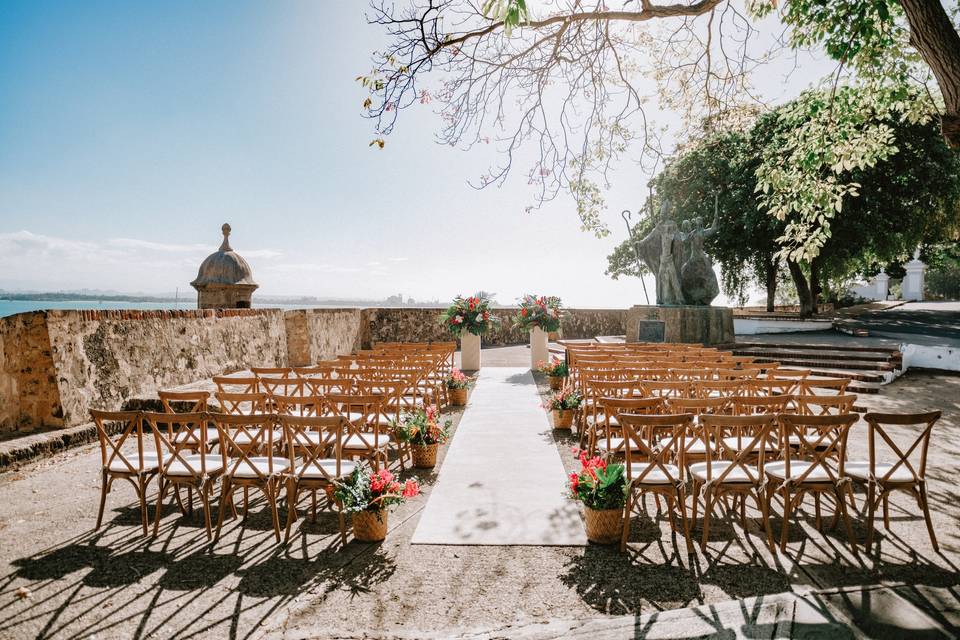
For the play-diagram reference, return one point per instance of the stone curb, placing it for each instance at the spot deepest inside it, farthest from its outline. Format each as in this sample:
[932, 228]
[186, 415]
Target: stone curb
[25, 449]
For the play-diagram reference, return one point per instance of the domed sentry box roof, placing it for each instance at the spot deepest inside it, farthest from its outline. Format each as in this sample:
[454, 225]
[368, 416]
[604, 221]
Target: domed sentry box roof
[225, 280]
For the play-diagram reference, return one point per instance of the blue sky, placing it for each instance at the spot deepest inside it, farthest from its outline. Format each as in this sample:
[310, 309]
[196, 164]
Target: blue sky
[129, 132]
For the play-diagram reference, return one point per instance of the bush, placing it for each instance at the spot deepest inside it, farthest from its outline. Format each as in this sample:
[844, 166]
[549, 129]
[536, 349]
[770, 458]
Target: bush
[943, 283]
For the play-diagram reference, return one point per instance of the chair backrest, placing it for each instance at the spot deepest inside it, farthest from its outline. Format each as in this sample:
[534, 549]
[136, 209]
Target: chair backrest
[323, 384]
[698, 406]
[197, 400]
[281, 385]
[813, 405]
[796, 374]
[824, 386]
[913, 459]
[362, 412]
[175, 434]
[642, 446]
[112, 441]
[753, 443]
[304, 406]
[281, 372]
[761, 405]
[242, 403]
[720, 388]
[667, 389]
[314, 440]
[819, 441]
[237, 384]
[767, 387]
[245, 437]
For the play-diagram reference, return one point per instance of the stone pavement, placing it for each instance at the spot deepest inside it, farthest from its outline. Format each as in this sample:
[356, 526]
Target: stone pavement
[502, 482]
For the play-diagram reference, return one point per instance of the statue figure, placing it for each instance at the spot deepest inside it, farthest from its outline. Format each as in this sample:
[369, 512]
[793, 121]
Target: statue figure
[662, 253]
[697, 277]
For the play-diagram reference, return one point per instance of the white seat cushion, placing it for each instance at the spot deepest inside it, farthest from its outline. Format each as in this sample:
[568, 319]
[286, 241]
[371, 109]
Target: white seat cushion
[149, 462]
[356, 442]
[243, 438]
[328, 466]
[810, 440]
[697, 446]
[860, 470]
[193, 436]
[178, 468]
[738, 444]
[699, 471]
[797, 468]
[656, 476]
[616, 444]
[248, 468]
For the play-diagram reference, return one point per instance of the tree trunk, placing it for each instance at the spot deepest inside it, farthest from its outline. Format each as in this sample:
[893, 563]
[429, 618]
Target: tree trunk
[803, 289]
[771, 276]
[938, 42]
[815, 287]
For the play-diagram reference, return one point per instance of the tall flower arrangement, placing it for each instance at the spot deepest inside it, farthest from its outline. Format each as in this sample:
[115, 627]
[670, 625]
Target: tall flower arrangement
[538, 311]
[470, 315]
[373, 491]
[421, 427]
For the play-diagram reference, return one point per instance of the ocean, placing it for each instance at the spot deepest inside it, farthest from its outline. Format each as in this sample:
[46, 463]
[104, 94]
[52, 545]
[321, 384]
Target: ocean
[11, 307]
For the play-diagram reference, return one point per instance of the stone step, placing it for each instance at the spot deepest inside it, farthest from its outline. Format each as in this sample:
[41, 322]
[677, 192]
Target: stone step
[810, 347]
[822, 354]
[814, 363]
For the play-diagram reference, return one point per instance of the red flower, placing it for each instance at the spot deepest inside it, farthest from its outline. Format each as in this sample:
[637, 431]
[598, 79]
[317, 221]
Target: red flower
[411, 489]
[574, 482]
[523, 313]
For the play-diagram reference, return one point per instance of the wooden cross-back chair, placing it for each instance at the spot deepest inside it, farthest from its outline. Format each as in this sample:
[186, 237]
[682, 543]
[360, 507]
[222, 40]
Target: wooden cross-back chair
[740, 474]
[308, 406]
[197, 402]
[257, 459]
[653, 468]
[273, 372]
[667, 389]
[198, 470]
[605, 434]
[699, 406]
[138, 466]
[824, 386]
[273, 386]
[316, 449]
[242, 403]
[719, 388]
[323, 385]
[366, 437]
[813, 405]
[895, 467]
[812, 463]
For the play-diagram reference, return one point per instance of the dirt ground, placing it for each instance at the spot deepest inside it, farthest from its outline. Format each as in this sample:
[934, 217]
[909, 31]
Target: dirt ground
[60, 579]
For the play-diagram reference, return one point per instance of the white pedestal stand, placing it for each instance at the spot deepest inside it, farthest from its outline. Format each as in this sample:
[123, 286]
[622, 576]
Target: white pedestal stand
[469, 352]
[538, 347]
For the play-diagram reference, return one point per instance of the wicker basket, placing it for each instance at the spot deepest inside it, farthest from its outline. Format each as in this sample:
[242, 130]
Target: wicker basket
[562, 418]
[458, 397]
[424, 455]
[604, 526]
[369, 526]
[556, 382]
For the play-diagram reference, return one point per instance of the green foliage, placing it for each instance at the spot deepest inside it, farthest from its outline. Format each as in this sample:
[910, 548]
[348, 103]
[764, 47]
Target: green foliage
[511, 12]
[468, 314]
[538, 311]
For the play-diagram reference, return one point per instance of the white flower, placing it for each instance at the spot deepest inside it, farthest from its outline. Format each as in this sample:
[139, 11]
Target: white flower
[479, 318]
[458, 319]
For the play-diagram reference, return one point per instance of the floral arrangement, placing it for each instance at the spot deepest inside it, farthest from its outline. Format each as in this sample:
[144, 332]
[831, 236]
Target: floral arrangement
[421, 427]
[564, 399]
[458, 380]
[556, 368]
[468, 314]
[598, 485]
[366, 490]
[542, 311]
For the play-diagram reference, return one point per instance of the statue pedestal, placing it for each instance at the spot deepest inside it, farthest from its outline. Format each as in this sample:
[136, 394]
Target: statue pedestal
[703, 325]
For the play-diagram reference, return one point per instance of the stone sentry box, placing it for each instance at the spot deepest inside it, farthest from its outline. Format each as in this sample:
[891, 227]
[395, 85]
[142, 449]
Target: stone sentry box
[688, 324]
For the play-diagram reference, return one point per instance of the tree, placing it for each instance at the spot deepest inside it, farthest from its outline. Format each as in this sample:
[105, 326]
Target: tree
[909, 198]
[568, 84]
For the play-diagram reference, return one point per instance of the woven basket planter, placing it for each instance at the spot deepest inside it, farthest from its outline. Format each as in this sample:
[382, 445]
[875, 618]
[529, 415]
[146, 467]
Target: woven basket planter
[604, 526]
[562, 418]
[556, 382]
[424, 455]
[458, 397]
[369, 526]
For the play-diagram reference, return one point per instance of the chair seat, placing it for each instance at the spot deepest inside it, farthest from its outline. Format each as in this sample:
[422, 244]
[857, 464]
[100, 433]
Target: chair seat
[656, 476]
[737, 475]
[192, 436]
[325, 468]
[811, 441]
[192, 467]
[777, 470]
[860, 470]
[244, 438]
[616, 444]
[356, 442]
[697, 446]
[250, 467]
[150, 462]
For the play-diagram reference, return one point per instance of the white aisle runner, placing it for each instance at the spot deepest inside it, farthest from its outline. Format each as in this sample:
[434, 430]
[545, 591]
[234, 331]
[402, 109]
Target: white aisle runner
[502, 481]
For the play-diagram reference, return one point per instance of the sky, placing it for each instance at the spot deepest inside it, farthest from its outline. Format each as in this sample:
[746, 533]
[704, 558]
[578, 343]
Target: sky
[131, 131]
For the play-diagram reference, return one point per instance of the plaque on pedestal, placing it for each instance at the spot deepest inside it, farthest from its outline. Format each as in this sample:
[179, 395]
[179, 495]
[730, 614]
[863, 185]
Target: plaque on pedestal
[689, 324]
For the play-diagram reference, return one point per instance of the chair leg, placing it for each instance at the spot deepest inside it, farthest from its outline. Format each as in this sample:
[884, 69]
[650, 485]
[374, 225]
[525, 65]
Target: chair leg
[204, 492]
[161, 493]
[625, 528]
[226, 497]
[886, 511]
[926, 516]
[142, 495]
[695, 490]
[871, 509]
[104, 489]
[766, 521]
[681, 499]
[313, 506]
[270, 492]
[842, 509]
[816, 508]
[708, 501]
[293, 497]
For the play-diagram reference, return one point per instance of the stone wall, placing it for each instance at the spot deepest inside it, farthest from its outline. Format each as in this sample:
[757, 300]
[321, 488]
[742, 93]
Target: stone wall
[321, 334]
[422, 325]
[104, 357]
[28, 389]
[56, 365]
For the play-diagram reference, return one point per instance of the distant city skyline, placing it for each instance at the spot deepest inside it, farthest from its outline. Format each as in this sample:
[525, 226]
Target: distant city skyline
[132, 131]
